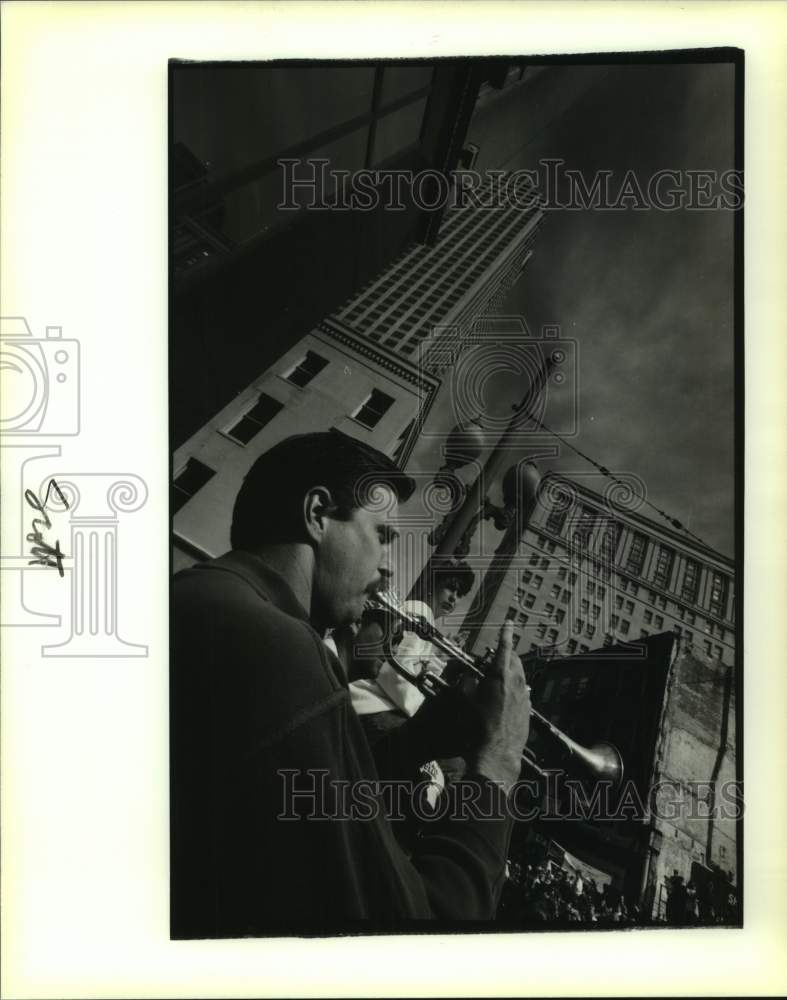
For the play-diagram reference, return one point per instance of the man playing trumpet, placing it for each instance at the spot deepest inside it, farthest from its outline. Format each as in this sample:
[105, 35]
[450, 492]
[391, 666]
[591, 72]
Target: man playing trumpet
[263, 732]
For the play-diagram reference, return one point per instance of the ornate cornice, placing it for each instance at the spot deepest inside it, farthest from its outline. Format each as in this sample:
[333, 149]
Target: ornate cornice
[425, 382]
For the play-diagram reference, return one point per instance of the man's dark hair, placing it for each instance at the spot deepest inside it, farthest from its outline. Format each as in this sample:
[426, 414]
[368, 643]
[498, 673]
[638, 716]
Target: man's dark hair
[269, 506]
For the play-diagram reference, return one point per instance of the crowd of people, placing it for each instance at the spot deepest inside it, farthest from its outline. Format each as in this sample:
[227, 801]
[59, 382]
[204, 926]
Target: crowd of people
[547, 894]
[711, 902]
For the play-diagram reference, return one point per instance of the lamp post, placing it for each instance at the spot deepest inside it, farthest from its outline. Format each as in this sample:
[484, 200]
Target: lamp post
[464, 445]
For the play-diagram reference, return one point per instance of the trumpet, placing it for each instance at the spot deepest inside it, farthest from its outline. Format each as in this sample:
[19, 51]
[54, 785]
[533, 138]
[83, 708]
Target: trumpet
[601, 761]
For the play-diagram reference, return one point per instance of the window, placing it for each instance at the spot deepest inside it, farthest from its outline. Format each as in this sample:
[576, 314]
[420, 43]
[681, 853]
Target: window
[263, 411]
[633, 590]
[189, 481]
[527, 576]
[533, 561]
[529, 601]
[541, 541]
[572, 579]
[544, 564]
[571, 646]
[648, 617]
[584, 649]
[618, 602]
[629, 607]
[636, 556]
[664, 563]
[552, 636]
[584, 605]
[555, 591]
[533, 647]
[719, 652]
[658, 621]
[551, 547]
[644, 633]
[718, 594]
[566, 596]
[691, 579]
[549, 610]
[561, 573]
[625, 626]
[585, 526]
[624, 584]
[375, 406]
[557, 516]
[311, 364]
[662, 603]
[601, 592]
[591, 587]
[608, 639]
[578, 625]
[609, 543]
[522, 618]
[652, 596]
[515, 640]
[614, 621]
[511, 614]
[707, 647]
[590, 630]
[537, 581]
[596, 612]
[691, 618]
[689, 637]
[560, 614]
[541, 631]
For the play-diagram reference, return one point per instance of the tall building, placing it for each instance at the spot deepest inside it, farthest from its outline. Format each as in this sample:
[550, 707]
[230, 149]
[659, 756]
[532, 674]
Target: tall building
[479, 255]
[371, 369]
[253, 266]
[588, 572]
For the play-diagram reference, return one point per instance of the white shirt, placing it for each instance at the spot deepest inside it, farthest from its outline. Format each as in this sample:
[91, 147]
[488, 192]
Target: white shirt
[390, 691]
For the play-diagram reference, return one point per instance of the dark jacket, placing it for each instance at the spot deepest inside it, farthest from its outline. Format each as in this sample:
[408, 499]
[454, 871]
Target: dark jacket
[257, 700]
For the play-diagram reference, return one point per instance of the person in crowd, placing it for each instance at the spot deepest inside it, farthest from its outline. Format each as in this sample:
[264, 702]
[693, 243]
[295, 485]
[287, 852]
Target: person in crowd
[265, 746]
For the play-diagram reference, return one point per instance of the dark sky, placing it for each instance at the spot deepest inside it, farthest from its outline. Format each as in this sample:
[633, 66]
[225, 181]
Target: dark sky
[646, 295]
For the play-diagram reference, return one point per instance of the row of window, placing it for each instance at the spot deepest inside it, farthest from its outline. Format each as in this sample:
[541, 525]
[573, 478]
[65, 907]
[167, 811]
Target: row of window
[369, 413]
[635, 558]
[593, 587]
[446, 282]
[196, 474]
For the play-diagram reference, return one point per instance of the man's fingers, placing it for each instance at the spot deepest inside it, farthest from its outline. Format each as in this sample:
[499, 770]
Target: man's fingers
[504, 647]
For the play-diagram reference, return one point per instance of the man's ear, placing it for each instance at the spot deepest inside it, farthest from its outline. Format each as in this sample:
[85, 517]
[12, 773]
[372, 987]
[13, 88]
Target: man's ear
[317, 507]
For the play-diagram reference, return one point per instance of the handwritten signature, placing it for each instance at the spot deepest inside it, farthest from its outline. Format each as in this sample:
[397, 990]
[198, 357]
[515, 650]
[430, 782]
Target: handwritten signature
[44, 554]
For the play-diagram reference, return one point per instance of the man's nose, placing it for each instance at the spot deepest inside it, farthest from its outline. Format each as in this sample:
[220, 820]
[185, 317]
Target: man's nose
[385, 566]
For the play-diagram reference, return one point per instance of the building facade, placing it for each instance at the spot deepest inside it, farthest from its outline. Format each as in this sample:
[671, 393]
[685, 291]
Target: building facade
[590, 570]
[372, 369]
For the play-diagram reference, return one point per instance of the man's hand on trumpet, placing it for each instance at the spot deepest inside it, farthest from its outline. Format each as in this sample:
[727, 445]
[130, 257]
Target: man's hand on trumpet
[503, 703]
